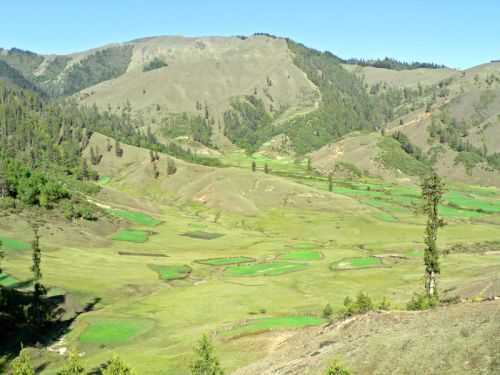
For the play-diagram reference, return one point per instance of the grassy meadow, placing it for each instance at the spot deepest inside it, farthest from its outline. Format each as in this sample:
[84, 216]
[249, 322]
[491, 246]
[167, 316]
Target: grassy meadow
[240, 276]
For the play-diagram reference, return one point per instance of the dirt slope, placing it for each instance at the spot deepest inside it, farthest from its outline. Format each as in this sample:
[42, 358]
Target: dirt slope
[460, 339]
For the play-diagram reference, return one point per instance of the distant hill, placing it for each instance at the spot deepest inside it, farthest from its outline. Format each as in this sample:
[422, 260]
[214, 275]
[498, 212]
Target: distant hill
[13, 77]
[212, 94]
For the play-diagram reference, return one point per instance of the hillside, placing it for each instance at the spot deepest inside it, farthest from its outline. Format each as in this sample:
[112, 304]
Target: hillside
[398, 342]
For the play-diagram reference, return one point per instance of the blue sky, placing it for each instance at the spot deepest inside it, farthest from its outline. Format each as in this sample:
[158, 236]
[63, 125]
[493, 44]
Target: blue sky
[457, 33]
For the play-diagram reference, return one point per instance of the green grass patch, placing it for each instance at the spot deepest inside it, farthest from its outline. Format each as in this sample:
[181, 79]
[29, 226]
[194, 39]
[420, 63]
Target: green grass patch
[201, 235]
[135, 217]
[131, 235]
[354, 263]
[457, 213]
[104, 180]
[12, 244]
[463, 201]
[275, 323]
[302, 255]
[414, 253]
[265, 269]
[384, 216]
[7, 280]
[171, 272]
[226, 261]
[113, 331]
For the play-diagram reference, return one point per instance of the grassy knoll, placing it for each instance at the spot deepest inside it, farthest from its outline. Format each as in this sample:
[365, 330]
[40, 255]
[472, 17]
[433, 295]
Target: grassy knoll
[113, 331]
[12, 244]
[226, 261]
[136, 217]
[264, 269]
[274, 323]
[171, 272]
[302, 255]
[355, 263]
[131, 235]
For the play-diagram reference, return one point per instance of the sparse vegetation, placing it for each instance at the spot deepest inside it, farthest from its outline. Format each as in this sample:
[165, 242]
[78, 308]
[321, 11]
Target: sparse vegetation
[154, 64]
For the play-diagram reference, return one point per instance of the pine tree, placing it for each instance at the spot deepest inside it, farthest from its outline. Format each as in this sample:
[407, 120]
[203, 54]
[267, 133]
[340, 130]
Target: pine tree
[206, 362]
[432, 192]
[117, 367]
[39, 291]
[21, 365]
[73, 365]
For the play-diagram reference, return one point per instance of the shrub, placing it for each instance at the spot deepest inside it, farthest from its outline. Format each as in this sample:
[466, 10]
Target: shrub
[361, 305]
[76, 209]
[385, 304]
[156, 63]
[327, 311]
[21, 365]
[73, 365]
[117, 367]
[336, 368]
[206, 362]
[421, 302]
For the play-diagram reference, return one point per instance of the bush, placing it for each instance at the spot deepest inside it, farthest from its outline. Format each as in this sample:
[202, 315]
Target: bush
[7, 203]
[336, 368]
[361, 305]
[21, 365]
[327, 311]
[385, 304]
[76, 209]
[156, 63]
[421, 302]
[117, 367]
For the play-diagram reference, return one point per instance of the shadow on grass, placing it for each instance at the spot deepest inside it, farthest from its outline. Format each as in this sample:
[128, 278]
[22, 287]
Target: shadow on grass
[16, 335]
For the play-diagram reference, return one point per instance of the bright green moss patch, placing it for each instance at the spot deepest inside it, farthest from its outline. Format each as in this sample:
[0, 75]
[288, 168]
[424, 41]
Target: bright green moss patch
[200, 235]
[104, 180]
[265, 269]
[171, 272]
[113, 331]
[354, 263]
[7, 280]
[131, 235]
[225, 261]
[136, 217]
[276, 323]
[302, 255]
[12, 244]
